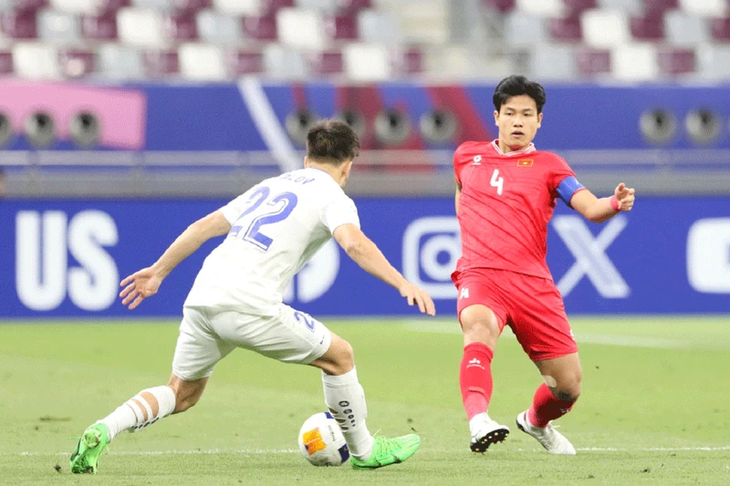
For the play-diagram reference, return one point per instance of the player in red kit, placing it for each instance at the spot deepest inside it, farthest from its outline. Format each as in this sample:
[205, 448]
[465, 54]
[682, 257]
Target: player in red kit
[506, 191]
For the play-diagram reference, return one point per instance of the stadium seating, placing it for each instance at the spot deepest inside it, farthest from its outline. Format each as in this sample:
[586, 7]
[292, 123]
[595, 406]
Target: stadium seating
[720, 29]
[245, 62]
[301, 29]
[605, 28]
[218, 28]
[685, 30]
[524, 30]
[291, 39]
[634, 62]
[161, 63]
[34, 60]
[120, 62]
[366, 62]
[76, 63]
[141, 27]
[593, 63]
[202, 62]
[99, 27]
[566, 29]
[648, 27]
[6, 62]
[58, 26]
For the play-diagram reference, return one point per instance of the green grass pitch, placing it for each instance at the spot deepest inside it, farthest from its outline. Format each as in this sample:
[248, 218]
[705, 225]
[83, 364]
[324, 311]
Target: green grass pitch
[655, 407]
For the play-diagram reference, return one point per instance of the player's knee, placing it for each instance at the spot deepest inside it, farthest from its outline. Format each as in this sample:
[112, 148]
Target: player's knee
[569, 387]
[339, 358]
[480, 326]
[344, 358]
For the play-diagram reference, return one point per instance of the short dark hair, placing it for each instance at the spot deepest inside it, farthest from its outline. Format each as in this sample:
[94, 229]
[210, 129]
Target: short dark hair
[332, 142]
[517, 86]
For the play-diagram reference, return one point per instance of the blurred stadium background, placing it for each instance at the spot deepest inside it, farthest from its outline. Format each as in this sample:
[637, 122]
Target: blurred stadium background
[114, 113]
[121, 121]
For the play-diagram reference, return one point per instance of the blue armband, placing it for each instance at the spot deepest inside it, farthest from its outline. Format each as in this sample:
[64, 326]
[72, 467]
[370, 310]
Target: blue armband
[567, 188]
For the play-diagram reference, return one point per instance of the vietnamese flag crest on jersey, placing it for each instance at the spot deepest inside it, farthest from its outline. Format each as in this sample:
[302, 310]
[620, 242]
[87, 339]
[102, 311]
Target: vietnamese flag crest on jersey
[525, 162]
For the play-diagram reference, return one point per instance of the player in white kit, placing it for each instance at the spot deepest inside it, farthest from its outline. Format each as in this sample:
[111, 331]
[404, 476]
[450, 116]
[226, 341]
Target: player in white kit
[272, 229]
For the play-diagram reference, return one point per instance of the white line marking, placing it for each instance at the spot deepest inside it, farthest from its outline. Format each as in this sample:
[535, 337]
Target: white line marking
[293, 451]
[162, 453]
[583, 338]
[654, 449]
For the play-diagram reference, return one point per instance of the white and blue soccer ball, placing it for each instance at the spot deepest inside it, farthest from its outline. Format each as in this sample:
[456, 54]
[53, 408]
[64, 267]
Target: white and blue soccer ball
[321, 441]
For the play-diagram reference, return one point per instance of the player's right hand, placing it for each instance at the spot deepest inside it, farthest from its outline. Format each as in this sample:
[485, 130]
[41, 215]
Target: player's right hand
[419, 297]
[139, 286]
[625, 197]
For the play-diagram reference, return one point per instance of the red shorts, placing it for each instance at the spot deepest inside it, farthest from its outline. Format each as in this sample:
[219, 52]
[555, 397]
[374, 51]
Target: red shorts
[531, 306]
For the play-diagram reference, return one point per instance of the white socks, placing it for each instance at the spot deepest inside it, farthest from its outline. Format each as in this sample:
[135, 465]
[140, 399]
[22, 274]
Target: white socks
[140, 411]
[345, 399]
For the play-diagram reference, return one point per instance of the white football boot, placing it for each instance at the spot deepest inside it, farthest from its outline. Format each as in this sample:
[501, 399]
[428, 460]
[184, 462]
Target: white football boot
[551, 439]
[486, 432]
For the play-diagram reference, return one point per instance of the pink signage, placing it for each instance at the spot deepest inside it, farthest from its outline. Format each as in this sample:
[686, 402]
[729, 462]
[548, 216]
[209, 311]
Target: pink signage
[121, 112]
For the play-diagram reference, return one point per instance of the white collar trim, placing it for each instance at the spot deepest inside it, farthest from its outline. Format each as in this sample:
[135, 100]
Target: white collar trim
[526, 150]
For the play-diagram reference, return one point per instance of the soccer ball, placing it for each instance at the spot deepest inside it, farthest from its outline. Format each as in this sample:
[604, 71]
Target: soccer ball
[321, 441]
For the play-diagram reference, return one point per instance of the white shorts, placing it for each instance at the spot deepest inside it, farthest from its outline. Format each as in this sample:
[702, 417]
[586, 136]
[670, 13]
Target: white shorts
[206, 337]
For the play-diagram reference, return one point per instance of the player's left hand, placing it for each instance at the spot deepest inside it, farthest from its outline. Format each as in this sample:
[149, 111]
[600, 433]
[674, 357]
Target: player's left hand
[419, 297]
[625, 197]
[139, 286]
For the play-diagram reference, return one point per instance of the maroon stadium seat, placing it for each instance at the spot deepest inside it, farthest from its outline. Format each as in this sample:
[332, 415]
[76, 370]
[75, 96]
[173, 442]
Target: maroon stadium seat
[99, 27]
[650, 27]
[592, 62]
[501, 5]
[76, 63]
[112, 5]
[577, 6]
[160, 64]
[19, 24]
[412, 61]
[566, 29]
[676, 61]
[260, 28]
[325, 63]
[352, 7]
[6, 62]
[29, 5]
[181, 26]
[721, 29]
[659, 6]
[341, 27]
[245, 62]
[270, 7]
[191, 5]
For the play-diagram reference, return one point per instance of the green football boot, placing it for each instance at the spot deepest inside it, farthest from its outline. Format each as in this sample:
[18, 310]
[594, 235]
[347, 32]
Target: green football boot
[85, 458]
[389, 451]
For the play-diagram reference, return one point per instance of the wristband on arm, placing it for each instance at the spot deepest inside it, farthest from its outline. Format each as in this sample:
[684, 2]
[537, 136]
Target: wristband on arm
[614, 203]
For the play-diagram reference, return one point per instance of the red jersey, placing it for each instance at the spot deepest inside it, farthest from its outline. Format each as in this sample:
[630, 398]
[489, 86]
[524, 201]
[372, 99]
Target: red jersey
[506, 203]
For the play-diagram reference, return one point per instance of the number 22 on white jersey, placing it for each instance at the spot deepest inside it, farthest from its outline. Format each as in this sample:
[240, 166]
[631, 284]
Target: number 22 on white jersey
[276, 209]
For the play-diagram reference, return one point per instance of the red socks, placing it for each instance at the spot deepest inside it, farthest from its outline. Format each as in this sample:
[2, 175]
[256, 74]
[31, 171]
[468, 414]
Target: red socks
[475, 378]
[545, 407]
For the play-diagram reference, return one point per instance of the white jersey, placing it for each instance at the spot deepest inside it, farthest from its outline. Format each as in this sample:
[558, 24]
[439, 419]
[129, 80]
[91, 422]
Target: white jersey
[276, 228]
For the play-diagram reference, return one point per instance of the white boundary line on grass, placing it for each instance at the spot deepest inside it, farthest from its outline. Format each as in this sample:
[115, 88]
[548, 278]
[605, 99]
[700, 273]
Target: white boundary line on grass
[163, 453]
[292, 451]
[655, 449]
[442, 327]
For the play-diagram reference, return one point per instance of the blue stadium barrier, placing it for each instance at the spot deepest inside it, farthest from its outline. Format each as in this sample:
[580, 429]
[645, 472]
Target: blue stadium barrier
[246, 116]
[63, 258]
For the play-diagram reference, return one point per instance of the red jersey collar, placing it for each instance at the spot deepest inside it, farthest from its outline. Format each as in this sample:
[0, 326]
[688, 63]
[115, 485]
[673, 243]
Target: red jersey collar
[526, 150]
